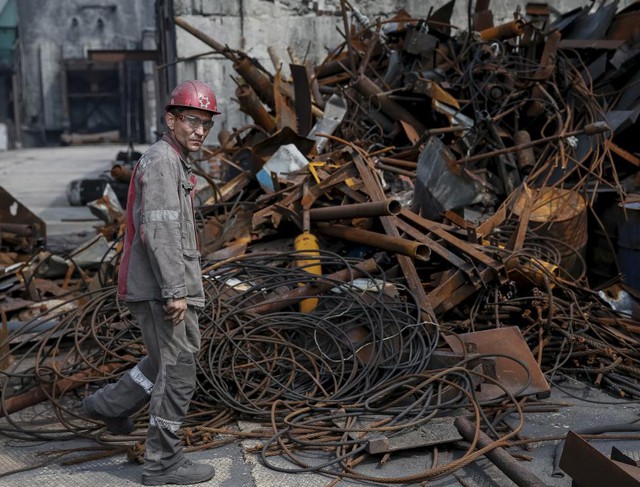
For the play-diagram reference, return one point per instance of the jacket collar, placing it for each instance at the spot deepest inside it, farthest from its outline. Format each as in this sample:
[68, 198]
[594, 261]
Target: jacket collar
[170, 139]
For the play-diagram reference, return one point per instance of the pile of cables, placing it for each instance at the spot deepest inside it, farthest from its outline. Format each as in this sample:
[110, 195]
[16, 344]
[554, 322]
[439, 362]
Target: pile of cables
[359, 335]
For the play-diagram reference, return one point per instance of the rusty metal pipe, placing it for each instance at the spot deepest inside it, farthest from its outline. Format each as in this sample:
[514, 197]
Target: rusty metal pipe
[525, 156]
[257, 79]
[399, 245]
[17, 229]
[369, 90]
[503, 31]
[331, 68]
[448, 130]
[498, 456]
[210, 41]
[358, 210]
[251, 105]
[396, 170]
[121, 173]
[398, 162]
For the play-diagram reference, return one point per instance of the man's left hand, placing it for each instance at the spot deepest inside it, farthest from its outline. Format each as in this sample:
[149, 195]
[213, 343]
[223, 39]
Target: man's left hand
[175, 309]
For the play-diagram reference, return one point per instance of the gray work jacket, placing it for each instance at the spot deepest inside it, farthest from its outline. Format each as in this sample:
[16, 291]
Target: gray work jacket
[160, 258]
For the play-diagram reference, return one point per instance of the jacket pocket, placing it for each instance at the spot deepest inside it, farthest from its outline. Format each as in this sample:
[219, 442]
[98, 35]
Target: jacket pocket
[192, 274]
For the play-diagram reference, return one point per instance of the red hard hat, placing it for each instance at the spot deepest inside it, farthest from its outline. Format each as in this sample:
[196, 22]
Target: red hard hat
[193, 94]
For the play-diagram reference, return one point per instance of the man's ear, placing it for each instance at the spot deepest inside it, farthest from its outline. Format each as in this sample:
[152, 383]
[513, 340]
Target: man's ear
[170, 120]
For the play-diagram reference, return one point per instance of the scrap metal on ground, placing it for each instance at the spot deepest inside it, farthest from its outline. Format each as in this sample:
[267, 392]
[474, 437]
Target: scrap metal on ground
[425, 226]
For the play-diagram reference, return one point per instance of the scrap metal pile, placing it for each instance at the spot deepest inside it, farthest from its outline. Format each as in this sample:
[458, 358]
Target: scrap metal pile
[411, 232]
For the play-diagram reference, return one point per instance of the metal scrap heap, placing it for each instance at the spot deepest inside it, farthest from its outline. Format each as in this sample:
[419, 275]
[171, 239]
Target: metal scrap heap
[434, 222]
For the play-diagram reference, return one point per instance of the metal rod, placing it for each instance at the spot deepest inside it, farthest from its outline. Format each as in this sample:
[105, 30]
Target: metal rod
[398, 162]
[498, 456]
[591, 129]
[395, 170]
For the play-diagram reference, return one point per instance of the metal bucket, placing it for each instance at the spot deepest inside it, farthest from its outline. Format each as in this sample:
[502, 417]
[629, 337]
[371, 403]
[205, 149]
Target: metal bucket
[561, 216]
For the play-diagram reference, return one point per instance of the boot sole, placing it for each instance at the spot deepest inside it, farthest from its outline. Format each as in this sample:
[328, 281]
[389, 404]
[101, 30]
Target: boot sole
[174, 480]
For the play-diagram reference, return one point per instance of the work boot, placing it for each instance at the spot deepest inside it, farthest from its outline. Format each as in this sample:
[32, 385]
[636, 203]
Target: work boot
[117, 426]
[185, 474]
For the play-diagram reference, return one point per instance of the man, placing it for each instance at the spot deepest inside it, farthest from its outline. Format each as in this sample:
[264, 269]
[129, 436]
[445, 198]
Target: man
[160, 280]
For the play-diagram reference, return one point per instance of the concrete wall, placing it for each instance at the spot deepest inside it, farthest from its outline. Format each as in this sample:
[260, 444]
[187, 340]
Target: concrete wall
[51, 32]
[308, 27]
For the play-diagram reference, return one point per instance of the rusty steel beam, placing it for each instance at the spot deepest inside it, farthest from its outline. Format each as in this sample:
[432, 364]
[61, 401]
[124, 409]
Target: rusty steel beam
[436, 247]
[234, 186]
[302, 98]
[464, 247]
[358, 210]
[399, 245]
[454, 289]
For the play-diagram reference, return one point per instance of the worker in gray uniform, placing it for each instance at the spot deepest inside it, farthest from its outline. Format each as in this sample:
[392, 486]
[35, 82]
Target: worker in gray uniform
[160, 281]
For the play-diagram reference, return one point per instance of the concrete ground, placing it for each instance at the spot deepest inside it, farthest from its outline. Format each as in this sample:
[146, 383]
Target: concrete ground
[38, 179]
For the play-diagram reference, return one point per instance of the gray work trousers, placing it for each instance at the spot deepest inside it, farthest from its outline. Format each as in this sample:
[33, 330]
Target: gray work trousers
[166, 377]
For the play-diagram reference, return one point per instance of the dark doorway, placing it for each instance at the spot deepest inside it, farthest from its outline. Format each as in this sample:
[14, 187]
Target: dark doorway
[104, 97]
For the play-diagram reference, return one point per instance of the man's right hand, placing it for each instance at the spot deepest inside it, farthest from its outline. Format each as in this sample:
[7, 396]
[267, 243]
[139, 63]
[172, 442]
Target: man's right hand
[175, 309]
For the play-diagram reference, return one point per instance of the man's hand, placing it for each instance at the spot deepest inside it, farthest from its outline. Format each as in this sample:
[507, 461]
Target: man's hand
[175, 309]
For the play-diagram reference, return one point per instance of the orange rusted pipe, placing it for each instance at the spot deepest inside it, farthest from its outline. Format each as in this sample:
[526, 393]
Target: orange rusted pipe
[252, 106]
[121, 173]
[257, 79]
[503, 31]
[398, 245]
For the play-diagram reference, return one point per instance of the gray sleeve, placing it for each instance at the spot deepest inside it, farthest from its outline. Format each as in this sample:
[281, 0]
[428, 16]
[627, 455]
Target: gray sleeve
[160, 224]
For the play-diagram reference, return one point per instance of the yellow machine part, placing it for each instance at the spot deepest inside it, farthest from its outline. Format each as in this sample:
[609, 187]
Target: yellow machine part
[308, 245]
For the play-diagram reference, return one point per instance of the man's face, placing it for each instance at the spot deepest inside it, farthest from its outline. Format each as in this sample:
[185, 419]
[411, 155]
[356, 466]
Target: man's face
[190, 127]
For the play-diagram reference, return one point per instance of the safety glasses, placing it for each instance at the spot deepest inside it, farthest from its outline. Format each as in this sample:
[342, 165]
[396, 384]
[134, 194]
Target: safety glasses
[195, 122]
